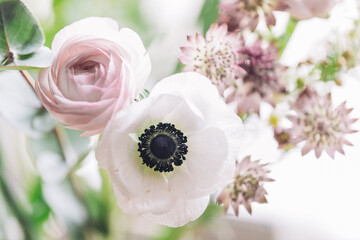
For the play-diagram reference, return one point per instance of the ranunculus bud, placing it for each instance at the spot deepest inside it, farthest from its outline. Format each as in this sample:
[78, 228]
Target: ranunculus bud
[96, 70]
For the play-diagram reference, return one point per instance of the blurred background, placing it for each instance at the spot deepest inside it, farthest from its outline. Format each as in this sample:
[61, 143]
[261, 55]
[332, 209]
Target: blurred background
[52, 187]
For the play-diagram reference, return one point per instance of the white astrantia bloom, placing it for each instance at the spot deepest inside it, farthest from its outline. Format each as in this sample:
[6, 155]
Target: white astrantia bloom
[167, 153]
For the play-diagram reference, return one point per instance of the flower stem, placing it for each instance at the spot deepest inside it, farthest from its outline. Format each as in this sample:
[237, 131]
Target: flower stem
[60, 135]
[283, 40]
[28, 79]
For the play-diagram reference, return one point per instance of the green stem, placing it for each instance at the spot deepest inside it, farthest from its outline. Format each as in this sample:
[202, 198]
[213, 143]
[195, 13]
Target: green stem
[283, 40]
[13, 207]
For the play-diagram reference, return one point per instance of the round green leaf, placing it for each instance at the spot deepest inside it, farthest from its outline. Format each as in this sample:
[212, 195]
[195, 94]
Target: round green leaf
[20, 33]
[34, 61]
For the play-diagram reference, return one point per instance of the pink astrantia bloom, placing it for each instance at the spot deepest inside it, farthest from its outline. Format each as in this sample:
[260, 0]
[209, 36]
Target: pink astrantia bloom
[247, 186]
[240, 14]
[96, 70]
[319, 124]
[214, 56]
[260, 79]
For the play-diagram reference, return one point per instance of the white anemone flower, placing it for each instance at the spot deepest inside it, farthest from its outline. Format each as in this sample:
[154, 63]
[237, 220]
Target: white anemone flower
[167, 153]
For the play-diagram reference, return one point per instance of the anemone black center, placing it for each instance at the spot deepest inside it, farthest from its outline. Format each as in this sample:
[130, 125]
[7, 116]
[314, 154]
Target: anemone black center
[162, 146]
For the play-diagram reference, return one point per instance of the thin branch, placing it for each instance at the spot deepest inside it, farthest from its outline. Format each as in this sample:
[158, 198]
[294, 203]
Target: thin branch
[60, 137]
[28, 79]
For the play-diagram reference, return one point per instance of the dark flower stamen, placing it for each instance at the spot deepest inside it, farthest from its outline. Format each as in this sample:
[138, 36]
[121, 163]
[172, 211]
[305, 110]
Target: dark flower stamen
[162, 146]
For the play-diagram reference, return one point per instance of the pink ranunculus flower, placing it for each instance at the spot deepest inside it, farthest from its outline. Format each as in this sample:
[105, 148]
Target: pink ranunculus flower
[96, 70]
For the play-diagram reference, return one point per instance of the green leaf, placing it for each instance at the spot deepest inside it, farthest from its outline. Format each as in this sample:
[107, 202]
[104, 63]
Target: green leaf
[209, 14]
[18, 210]
[20, 107]
[178, 67]
[20, 33]
[40, 209]
[98, 210]
[33, 61]
[329, 68]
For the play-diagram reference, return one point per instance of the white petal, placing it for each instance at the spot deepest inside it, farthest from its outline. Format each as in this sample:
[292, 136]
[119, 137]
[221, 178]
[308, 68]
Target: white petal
[224, 118]
[185, 83]
[206, 168]
[186, 117]
[86, 26]
[125, 165]
[127, 171]
[156, 200]
[117, 153]
[183, 212]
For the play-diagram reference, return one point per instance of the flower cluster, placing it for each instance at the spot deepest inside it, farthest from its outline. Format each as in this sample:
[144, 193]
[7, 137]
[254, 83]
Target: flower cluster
[319, 124]
[246, 75]
[174, 151]
[169, 150]
[166, 153]
[240, 15]
[247, 186]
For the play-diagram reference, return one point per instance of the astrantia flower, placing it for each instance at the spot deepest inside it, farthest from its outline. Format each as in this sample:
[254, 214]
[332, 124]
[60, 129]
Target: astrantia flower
[240, 14]
[214, 56]
[322, 126]
[167, 153]
[247, 186]
[260, 80]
